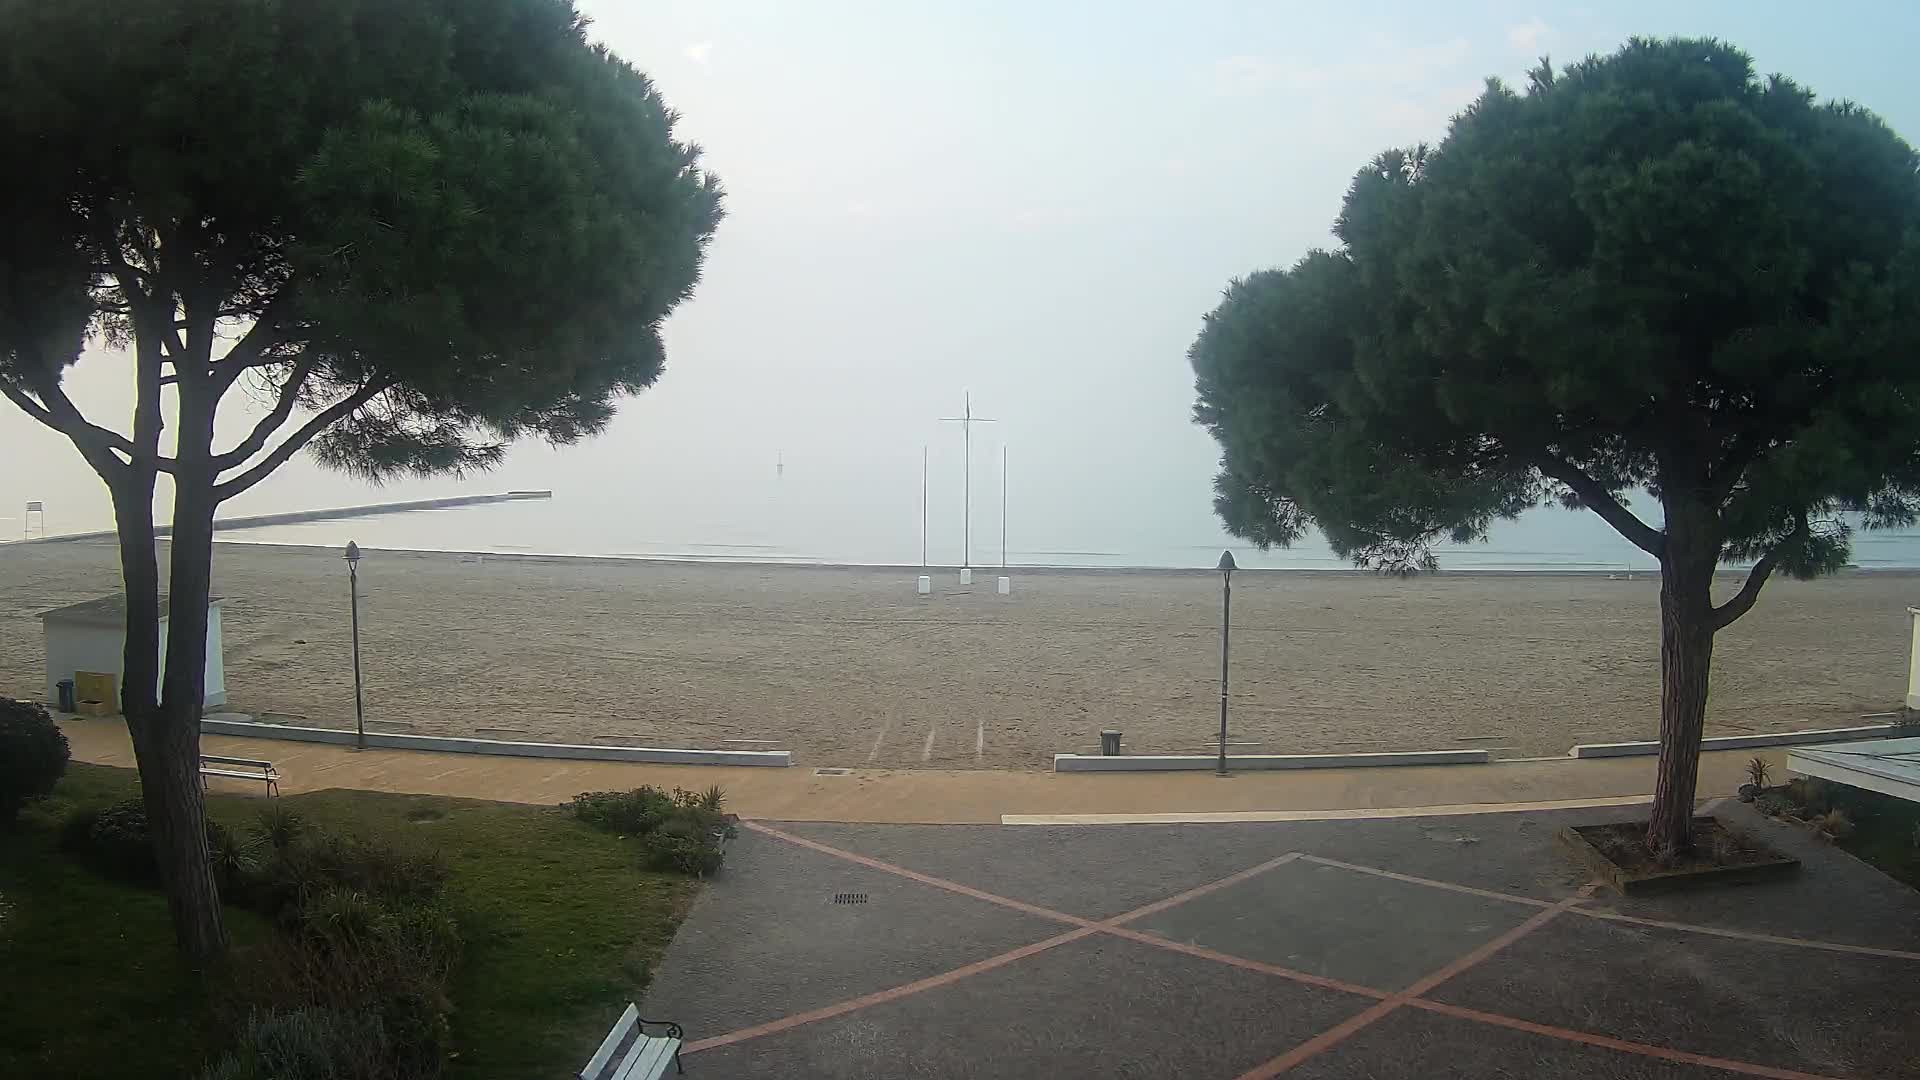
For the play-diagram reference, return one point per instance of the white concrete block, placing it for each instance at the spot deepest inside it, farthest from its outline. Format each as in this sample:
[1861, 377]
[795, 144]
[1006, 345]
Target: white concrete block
[1736, 742]
[1238, 762]
[573, 751]
[966, 577]
[1005, 586]
[924, 586]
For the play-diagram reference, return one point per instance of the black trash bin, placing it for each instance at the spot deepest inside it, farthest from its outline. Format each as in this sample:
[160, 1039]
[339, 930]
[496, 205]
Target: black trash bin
[67, 703]
[1110, 743]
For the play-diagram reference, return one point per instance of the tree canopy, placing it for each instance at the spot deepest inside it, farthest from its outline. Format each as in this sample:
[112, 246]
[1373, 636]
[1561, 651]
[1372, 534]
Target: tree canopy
[1652, 270]
[438, 224]
[423, 228]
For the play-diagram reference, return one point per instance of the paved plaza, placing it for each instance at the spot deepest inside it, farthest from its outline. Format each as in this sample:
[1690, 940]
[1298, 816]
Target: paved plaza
[1421, 947]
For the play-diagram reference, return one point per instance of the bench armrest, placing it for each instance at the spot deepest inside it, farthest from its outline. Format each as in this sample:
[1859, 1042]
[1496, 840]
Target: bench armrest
[673, 1029]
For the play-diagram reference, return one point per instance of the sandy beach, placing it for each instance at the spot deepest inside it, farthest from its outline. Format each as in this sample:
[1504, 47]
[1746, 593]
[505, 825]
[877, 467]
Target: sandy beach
[849, 667]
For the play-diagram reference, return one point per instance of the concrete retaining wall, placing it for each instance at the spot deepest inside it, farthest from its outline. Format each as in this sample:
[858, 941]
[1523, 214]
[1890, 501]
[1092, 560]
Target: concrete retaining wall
[578, 752]
[1736, 742]
[1168, 762]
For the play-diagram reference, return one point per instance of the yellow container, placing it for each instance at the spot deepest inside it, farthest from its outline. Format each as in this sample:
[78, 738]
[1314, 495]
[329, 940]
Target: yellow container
[98, 693]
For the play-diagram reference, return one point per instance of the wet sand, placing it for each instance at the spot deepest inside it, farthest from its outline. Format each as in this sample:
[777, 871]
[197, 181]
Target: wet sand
[849, 667]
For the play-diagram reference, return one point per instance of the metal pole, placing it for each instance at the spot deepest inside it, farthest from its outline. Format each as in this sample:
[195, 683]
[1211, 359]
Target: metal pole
[1226, 628]
[1003, 506]
[359, 712]
[923, 507]
[966, 420]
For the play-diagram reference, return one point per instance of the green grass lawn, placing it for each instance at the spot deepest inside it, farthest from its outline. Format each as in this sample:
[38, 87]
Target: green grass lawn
[562, 930]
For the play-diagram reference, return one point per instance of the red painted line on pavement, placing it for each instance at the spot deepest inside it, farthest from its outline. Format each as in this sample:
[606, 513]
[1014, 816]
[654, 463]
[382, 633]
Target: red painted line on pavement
[1087, 927]
[883, 996]
[1691, 928]
[1353, 1025]
[1625, 1046]
[1205, 953]
[1743, 935]
[1177, 899]
[1385, 1002]
[1428, 882]
[915, 875]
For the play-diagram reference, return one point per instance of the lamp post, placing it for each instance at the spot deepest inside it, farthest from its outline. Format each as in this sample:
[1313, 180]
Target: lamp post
[1226, 627]
[353, 593]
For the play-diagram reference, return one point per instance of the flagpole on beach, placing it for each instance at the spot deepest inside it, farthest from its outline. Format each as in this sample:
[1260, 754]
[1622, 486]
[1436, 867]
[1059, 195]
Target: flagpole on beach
[1003, 506]
[966, 420]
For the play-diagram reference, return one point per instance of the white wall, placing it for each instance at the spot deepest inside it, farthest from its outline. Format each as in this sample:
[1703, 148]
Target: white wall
[73, 647]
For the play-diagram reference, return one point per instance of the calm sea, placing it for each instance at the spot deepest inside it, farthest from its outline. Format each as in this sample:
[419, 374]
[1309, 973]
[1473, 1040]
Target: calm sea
[789, 518]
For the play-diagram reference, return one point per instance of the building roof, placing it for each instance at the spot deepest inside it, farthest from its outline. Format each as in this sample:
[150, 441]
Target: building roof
[1889, 766]
[105, 611]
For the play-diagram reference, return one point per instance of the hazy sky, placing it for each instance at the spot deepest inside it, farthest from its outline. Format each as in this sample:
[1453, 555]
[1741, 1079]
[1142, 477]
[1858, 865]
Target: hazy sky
[1036, 202]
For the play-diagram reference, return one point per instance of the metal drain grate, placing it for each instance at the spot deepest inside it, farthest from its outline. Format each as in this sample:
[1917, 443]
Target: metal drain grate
[849, 898]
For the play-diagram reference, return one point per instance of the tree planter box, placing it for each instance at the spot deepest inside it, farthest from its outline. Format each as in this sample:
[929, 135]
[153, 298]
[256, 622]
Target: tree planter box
[1749, 861]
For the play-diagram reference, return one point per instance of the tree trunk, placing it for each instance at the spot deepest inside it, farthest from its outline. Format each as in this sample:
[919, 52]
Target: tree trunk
[1686, 661]
[140, 576]
[170, 756]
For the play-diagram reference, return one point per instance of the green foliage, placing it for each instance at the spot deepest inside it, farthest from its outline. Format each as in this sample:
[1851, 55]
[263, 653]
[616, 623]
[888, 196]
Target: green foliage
[33, 755]
[116, 840]
[1650, 270]
[682, 831]
[307, 1044]
[466, 206]
[279, 826]
[555, 928]
[628, 813]
[690, 842]
[1759, 772]
[321, 863]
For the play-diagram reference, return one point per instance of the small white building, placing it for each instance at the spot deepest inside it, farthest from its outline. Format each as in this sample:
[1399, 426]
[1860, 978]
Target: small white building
[91, 636]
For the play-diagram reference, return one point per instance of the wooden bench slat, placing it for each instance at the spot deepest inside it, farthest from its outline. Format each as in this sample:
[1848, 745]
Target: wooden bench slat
[649, 1059]
[611, 1043]
[255, 762]
[231, 773]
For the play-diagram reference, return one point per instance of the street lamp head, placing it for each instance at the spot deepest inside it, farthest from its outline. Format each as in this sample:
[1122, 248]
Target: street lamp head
[1226, 563]
[353, 552]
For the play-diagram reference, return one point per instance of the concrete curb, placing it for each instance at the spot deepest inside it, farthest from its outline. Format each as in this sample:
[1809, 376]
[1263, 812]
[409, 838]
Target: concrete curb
[1172, 762]
[571, 751]
[1735, 742]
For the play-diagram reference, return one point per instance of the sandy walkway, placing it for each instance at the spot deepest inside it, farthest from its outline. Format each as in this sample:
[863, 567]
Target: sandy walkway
[848, 667]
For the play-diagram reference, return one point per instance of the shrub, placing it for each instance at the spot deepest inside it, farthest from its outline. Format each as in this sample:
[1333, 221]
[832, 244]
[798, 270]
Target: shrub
[1834, 824]
[1809, 793]
[117, 840]
[1759, 772]
[344, 951]
[319, 862]
[629, 813]
[76, 832]
[690, 842]
[33, 755]
[307, 1044]
[280, 826]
